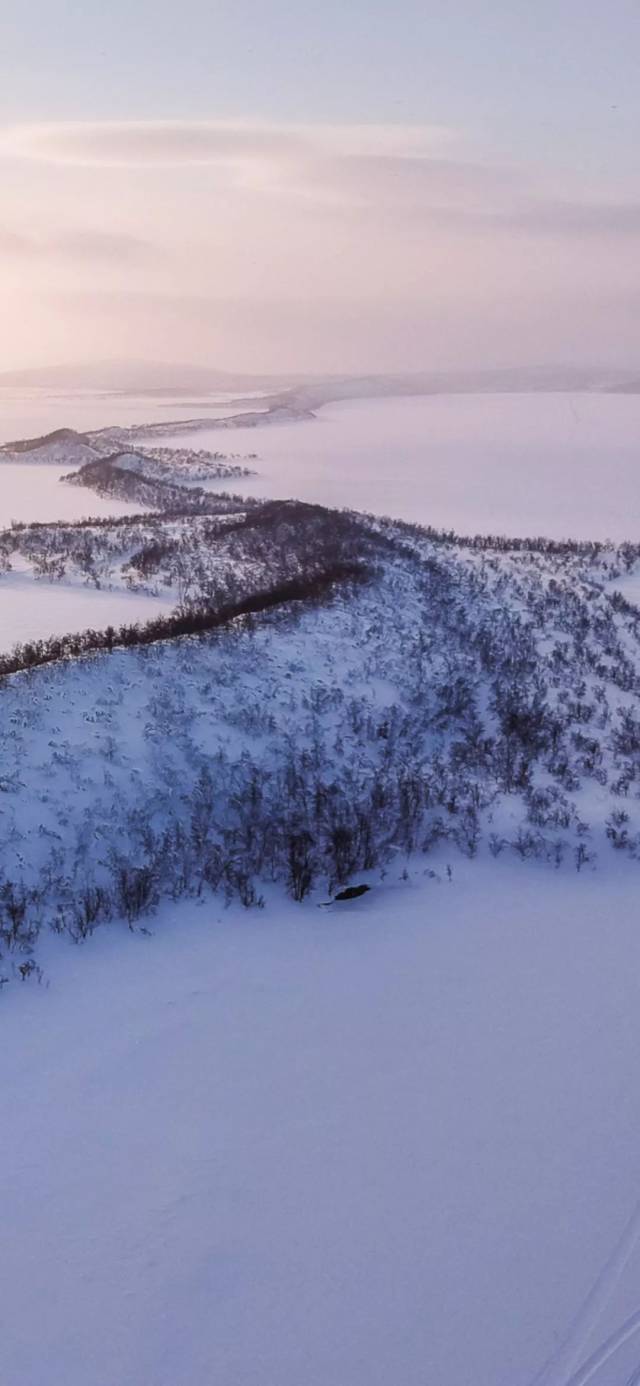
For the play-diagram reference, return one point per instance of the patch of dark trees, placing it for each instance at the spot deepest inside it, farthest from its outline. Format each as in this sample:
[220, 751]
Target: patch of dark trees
[228, 504]
[307, 588]
[590, 549]
[107, 478]
[210, 557]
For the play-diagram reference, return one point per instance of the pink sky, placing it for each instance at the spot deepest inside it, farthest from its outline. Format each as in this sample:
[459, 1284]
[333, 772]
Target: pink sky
[425, 186]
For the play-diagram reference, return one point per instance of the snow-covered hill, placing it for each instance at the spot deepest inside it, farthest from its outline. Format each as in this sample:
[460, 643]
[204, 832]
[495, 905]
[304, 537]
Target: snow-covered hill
[63, 447]
[483, 696]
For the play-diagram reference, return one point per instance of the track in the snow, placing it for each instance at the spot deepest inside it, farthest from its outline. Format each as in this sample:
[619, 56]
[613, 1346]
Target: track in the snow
[565, 1367]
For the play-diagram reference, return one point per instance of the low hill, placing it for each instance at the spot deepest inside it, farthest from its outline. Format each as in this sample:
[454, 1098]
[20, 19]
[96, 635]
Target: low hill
[62, 446]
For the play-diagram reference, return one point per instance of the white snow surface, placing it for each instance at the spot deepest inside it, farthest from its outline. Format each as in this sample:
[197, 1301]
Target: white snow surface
[389, 1142]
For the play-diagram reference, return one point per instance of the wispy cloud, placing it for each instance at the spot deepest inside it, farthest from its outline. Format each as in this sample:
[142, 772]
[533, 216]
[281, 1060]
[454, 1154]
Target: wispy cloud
[307, 244]
[171, 143]
[578, 218]
[13, 243]
[77, 244]
[407, 171]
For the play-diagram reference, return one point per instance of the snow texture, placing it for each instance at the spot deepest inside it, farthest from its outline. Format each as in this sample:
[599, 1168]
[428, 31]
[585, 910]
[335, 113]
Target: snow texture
[394, 1141]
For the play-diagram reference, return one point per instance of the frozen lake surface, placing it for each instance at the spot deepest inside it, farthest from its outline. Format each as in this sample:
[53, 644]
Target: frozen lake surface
[30, 413]
[31, 609]
[29, 492]
[554, 464]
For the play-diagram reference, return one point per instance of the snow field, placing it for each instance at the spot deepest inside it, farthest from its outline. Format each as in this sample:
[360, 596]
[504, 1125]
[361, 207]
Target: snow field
[394, 1141]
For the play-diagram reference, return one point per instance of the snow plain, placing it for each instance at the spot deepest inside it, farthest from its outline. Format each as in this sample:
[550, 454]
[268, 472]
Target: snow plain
[392, 1142]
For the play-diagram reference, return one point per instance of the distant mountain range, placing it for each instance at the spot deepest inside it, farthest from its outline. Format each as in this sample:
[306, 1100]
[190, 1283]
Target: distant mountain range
[161, 377]
[146, 377]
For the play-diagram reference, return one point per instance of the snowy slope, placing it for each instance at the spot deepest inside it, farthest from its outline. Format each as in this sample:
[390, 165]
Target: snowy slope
[488, 700]
[390, 1145]
[62, 447]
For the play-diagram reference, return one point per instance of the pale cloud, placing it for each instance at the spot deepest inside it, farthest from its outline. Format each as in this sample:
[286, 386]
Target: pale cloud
[403, 169]
[203, 143]
[537, 218]
[329, 246]
[77, 243]
[403, 182]
[579, 218]
[13, 243]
